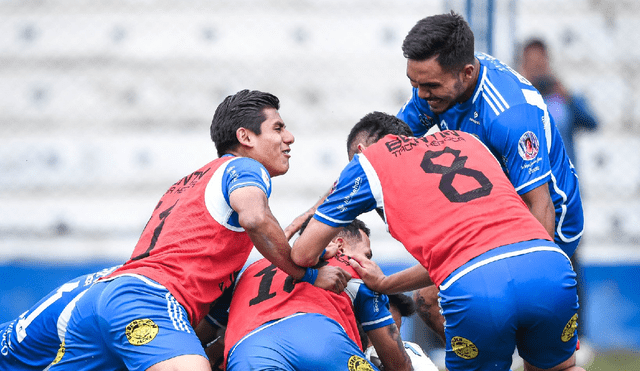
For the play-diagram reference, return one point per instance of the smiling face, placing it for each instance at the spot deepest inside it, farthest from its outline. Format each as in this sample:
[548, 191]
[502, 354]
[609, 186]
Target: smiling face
[271, 148]
[440, 88]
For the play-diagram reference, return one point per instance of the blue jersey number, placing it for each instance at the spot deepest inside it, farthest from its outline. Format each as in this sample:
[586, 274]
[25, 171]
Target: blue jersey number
[23, 323]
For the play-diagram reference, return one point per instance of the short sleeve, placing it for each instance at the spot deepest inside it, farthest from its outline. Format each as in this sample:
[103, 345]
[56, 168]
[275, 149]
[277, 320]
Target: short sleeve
[371, 308]
[350, 197]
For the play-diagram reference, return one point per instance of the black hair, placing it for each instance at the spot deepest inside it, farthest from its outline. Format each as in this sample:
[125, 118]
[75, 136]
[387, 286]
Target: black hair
[405, 304]
[244, 109]
[535, 43]
[447, 36]
[350, 231]
[374, 126]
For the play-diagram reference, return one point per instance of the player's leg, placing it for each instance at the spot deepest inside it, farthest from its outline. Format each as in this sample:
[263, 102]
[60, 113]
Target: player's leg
[480, 315]
[549, 315]
[568, 365]
[82, 345]
[138, 325]
[428, 309]
[186, 362]
[146, 326]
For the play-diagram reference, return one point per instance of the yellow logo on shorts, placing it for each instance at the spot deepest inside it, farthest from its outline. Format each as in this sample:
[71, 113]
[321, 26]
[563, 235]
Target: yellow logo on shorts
[359, 364]
[570, 329]
[141, 331]
[464, 348]
[60, 354]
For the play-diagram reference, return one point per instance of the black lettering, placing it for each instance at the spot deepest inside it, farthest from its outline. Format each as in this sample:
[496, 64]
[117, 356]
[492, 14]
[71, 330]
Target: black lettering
[449, 173]
[264, 288]
[156, 233]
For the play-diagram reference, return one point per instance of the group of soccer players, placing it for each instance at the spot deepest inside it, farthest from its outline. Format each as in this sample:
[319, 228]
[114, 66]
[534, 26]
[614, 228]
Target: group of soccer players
[471, 177]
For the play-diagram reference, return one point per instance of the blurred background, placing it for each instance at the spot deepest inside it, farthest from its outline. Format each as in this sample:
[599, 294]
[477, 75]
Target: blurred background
[105, 104]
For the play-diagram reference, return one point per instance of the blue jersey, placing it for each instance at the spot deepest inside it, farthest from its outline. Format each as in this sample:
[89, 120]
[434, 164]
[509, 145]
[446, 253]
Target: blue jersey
[31, 341]
[356, 192]
[370, 308]
[510, 117]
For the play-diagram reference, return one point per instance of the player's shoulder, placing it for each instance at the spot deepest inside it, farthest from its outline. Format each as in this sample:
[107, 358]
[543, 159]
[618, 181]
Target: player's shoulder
[238, 168]
[500, 85]
[245, 164]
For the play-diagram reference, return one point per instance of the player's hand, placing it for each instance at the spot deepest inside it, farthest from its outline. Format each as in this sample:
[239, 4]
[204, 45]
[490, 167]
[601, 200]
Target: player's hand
[369, 272]
[332, 278]
[297, 223]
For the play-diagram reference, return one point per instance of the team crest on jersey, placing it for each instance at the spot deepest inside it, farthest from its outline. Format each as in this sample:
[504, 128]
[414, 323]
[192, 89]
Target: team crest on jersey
[60, 354]
[357, 363]
[464, 348]
[569, 330]
[141, 331]
[427, 121]
[528, 146]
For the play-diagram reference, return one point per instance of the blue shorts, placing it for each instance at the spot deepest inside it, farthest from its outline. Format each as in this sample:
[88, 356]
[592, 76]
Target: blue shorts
[520, 295]
[127, 323]
[300, 342]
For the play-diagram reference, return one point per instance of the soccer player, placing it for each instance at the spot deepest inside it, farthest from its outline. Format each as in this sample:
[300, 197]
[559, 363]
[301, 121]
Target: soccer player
[32, 341]
[142, 316]
[476, 93]
[454, 88]
[277, 323]
[503, 282]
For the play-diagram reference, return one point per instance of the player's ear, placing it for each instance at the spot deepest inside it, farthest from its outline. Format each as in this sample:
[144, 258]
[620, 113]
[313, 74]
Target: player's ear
[361, 147]
[244, 136]
[468, 71]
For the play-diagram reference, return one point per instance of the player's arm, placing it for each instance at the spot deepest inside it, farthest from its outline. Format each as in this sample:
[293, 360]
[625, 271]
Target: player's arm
[254, 215]
[390, 348]
[308, 247]
[509, 131]
[407, 280]
[539, 202]
[331, 215]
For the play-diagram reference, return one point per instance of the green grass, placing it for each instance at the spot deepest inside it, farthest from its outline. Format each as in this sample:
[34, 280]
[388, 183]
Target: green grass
[615, 361]
[622, 360]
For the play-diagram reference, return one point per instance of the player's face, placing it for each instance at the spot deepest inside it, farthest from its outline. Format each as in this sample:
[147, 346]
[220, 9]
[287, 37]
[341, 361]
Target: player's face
[273, 144]
[441, 89]
[362, 247]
